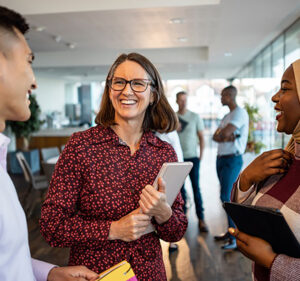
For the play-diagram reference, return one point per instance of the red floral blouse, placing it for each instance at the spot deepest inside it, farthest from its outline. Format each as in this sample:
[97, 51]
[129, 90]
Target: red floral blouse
[97, 181]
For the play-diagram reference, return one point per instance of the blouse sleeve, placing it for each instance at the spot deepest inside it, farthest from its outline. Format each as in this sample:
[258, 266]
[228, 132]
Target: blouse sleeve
[285, 268]
[174, 228]
[62, 224]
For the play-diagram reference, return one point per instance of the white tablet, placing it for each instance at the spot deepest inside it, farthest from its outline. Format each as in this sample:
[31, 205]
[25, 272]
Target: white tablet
[174, 175]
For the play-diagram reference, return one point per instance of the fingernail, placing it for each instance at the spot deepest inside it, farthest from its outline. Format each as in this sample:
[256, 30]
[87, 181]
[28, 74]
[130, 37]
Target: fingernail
[231, 230]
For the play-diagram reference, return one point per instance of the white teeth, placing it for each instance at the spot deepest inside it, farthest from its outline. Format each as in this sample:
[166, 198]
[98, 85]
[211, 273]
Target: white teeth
[127, 101]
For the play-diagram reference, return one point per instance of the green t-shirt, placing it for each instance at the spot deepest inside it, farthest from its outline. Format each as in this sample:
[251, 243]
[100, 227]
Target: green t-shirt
[191, 123]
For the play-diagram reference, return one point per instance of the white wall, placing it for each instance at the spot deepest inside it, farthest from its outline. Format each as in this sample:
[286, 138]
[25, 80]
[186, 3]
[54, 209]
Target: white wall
[50, 94]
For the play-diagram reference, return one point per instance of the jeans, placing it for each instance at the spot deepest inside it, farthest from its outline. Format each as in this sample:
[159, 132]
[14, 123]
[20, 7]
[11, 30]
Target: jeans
[228, 169]
[195, 178]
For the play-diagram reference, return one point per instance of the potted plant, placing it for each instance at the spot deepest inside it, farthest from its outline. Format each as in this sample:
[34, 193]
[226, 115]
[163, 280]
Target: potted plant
[23, 130]
[254, 118]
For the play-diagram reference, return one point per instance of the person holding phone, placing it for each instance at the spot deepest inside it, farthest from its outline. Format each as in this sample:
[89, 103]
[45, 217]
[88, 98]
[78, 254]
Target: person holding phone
[101, 199]
[272, 180]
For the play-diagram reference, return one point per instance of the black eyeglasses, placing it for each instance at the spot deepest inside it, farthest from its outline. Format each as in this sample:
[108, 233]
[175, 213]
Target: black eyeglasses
[136, 85]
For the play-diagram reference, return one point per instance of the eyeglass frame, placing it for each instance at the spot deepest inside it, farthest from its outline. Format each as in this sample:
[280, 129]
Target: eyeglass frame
[148, 81]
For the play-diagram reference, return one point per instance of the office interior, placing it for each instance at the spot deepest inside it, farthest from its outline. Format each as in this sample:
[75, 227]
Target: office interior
[199, 46]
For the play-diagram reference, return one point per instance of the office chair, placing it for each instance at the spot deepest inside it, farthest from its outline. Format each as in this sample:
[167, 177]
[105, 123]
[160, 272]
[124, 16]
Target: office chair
[49, 152]
[48, 169]
[36, 183]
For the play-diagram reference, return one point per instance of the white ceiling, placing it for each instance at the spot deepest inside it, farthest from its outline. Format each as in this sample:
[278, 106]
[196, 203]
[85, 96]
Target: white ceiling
[103, 29]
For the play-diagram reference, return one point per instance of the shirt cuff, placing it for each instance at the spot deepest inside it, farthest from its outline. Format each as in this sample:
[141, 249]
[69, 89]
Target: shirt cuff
[240, 195]
[41, 269]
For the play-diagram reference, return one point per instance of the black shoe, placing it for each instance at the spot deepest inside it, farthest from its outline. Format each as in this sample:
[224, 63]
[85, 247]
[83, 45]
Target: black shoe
[230, 245]
[222, 237]
[202, 226]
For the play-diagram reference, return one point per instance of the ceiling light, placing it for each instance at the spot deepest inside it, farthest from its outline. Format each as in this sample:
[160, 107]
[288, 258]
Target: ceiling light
[57, 38]
[182, 39]
[38, 28]
[227, 54]
[71, 45]
[176, 21]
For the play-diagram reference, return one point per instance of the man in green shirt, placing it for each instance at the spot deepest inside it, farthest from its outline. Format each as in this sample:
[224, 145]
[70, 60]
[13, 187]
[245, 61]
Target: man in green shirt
[191, 135]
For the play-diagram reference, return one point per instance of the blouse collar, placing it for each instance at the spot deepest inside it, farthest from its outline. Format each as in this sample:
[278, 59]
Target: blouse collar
[102, 134]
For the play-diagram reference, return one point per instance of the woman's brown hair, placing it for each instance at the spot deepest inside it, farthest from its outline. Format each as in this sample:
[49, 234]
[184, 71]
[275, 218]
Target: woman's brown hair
[159, 115]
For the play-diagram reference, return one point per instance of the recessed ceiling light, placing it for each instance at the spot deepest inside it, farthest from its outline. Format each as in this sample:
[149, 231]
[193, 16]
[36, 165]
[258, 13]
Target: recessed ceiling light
[182, 39]
[38, 28]
[71, 45]
[176, 21]
[57, 38]
[228, 54]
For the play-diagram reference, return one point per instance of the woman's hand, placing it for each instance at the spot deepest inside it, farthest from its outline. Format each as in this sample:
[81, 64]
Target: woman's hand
[269, 163]
[153, 202]
[130, 227]
[254, 248]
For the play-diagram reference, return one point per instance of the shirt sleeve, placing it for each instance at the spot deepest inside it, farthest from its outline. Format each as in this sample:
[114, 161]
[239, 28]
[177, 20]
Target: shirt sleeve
[239, 118]
[41, 269]
[239, 196]
[61, 223]
[285, 268]
[200, 124]
[175, 142]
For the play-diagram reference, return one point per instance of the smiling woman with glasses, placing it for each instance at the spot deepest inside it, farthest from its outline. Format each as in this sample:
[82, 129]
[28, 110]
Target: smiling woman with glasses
[101, 198]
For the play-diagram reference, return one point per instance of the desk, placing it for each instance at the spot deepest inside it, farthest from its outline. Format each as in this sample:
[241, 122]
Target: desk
[51, 137]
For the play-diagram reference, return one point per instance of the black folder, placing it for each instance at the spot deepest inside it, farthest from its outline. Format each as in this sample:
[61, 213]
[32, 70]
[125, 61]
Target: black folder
[266, 223]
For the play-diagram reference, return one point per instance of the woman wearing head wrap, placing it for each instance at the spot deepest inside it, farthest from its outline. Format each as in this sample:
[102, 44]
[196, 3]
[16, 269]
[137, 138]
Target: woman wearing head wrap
[273, 180]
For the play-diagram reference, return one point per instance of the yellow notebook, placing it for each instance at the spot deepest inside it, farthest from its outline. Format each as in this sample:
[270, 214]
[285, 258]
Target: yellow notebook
[119, 272]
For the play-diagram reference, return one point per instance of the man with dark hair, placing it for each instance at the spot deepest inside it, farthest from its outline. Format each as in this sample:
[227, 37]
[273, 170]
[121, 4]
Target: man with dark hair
[191, 136]
[231, 136]
[16, 82]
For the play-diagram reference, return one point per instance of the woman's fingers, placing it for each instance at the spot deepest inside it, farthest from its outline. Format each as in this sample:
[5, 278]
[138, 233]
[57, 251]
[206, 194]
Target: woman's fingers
[241, 236]
[161, 185]
[279, 153]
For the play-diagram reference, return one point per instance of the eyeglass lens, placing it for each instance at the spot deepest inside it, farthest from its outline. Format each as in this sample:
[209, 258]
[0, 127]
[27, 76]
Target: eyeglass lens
[137, 85]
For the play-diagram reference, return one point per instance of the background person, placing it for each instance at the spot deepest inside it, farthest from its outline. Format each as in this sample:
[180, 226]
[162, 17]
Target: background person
[16, 82]
[231, 136]
[103, 178]
[272, 180]
[191, 135]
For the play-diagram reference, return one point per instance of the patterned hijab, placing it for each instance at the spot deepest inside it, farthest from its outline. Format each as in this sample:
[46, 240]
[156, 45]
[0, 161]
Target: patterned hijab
[296, 134]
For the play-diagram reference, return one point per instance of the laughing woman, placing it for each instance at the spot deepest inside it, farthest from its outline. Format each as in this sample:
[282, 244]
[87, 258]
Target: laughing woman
[273, 180]
[104, 175]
